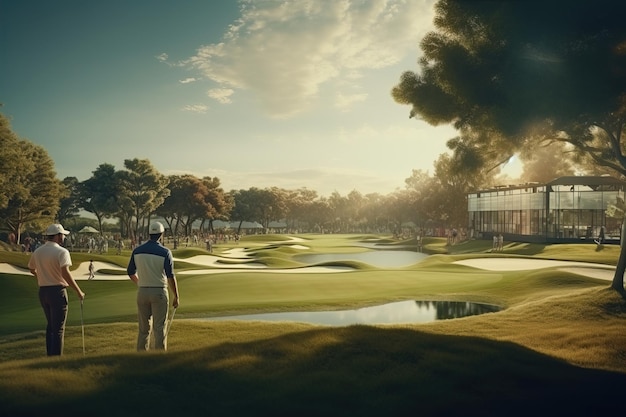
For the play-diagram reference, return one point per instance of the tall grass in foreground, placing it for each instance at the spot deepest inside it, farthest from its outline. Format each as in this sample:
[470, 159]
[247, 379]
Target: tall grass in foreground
[535, 359]
[289, 369]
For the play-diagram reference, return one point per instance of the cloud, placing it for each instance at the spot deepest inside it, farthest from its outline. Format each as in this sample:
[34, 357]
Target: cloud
[345, 101]
[196, 108]
[221, 94]
[289, 53]
[162, 57]
[188, 80]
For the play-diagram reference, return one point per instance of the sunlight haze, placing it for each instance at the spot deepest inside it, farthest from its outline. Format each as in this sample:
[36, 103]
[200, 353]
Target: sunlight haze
[256, 93]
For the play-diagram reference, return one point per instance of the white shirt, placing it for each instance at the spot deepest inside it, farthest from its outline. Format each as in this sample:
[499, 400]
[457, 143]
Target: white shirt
[48, 260]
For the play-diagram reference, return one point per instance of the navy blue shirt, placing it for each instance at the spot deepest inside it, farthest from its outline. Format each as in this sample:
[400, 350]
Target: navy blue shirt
[153, 264]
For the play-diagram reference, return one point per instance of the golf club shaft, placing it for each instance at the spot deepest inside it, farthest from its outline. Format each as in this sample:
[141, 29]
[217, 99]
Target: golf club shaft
[169, 324]
[82, 324]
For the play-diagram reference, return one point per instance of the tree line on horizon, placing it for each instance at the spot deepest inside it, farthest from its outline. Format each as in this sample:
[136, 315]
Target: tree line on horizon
[32, 197]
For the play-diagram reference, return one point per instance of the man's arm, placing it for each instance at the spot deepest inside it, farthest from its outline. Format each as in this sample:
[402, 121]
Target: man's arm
[168, 267]
[65, 272]
[134, 278]
[174, 288]
[131, 269]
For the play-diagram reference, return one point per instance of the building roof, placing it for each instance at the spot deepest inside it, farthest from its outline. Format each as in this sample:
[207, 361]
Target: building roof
[586, 180]
[592, 181]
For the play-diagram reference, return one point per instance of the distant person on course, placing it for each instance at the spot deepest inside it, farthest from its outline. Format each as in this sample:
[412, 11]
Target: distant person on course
[151, 267]
[50, 264]
[91, 270]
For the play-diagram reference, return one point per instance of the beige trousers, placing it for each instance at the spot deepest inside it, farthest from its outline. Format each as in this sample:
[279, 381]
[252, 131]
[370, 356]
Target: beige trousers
[152, 305]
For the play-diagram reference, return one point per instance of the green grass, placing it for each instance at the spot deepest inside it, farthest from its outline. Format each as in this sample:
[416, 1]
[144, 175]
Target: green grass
[558, 347]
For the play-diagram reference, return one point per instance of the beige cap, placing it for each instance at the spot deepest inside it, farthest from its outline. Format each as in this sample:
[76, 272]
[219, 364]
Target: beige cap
[55, 229]
[156, 228]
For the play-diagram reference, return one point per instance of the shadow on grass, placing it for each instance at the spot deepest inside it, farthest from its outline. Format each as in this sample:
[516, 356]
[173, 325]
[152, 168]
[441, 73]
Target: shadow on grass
[357, 370]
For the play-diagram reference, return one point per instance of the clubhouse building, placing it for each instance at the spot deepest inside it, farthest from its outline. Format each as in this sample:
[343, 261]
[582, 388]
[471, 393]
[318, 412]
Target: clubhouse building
[567, 209]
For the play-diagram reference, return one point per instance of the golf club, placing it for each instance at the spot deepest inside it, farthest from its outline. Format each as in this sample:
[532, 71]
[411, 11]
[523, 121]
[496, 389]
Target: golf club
[169, 324]
[82, 325]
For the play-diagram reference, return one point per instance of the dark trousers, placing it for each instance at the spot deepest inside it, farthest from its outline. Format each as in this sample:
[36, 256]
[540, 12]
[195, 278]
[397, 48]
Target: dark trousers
[54, 302]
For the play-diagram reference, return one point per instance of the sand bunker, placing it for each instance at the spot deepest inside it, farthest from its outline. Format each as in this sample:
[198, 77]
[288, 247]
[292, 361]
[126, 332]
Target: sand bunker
[80, 273]
[234, 253]
[11, 269]
[236, 261]
[298, 247]
[303, 270]
[232, 264]
[220, 262]
[592, 270]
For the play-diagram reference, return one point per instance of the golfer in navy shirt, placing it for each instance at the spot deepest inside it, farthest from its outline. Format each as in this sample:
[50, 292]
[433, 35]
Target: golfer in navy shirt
[151, 267]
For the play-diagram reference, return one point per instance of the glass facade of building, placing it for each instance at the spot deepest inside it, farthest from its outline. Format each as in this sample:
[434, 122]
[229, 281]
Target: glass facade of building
[566, 209]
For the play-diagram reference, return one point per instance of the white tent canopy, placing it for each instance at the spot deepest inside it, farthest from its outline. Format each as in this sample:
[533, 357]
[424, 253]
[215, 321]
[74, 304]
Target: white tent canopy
[88, 229]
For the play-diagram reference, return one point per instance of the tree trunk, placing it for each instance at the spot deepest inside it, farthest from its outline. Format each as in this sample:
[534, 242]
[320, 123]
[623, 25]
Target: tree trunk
[99, 219]
[618, 278]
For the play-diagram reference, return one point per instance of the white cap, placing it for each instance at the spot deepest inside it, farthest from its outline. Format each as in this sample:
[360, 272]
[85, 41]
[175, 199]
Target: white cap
[55, 229]
[156, 228]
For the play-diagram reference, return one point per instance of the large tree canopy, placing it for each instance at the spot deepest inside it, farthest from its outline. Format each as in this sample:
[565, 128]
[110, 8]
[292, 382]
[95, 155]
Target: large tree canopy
[11, 160]
[100, 193]
[545, 163]
[142, 189]
[510, 74]
[29, 189]
[186, 203]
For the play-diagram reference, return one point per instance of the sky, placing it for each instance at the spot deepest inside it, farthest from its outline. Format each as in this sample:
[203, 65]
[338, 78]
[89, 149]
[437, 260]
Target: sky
[259, 93]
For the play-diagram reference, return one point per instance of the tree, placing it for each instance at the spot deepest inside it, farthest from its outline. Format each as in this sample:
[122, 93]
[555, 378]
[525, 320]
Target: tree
[70, 203]
[373, 212]
[298, 204]
[184, 204]
[34, 198]
[509, 76]
[422, 191]
[99, 194]
[544, 163]
[259, 205]
[272, 205]
[399, 210]
[142, 189]
[586, 165]
[245, 208]
[219, 203]
[320, 215]
[453, 184]
[346, 210]
[11, 162]
[355, 202]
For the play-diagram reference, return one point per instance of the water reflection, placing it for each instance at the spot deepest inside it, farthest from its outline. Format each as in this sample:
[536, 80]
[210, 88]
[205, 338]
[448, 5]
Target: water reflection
[456, 309]
[402, 312]
[381, 259]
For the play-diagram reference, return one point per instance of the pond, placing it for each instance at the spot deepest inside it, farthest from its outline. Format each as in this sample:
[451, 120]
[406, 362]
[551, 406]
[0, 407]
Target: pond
[380, 259]
[401, 312]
